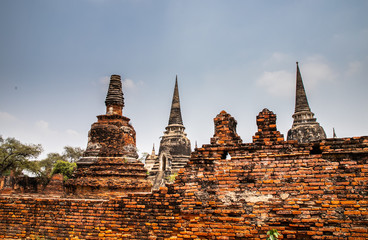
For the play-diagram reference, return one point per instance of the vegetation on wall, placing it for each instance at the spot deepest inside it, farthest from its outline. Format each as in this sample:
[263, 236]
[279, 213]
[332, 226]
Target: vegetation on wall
[273, 234]
[172, 177]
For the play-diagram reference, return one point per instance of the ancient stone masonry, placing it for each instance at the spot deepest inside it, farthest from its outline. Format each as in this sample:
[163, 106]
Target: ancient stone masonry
[304, 190]
[109, 166]
[151, 159]
[174, 149]
[305, 127]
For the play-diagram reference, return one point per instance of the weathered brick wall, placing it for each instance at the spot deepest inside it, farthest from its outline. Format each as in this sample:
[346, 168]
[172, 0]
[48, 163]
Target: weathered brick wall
[133, 217]
[304, 196]
[55, 185]
[25, 185]
[20, 184]
[306, 191]
[56, 218]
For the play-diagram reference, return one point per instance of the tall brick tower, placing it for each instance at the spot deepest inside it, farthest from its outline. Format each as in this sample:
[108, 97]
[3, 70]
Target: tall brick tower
[305, 127]
[109, 166]
[175, 147]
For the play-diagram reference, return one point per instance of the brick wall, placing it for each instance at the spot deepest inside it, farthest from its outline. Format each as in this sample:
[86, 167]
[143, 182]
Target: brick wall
[228, 190]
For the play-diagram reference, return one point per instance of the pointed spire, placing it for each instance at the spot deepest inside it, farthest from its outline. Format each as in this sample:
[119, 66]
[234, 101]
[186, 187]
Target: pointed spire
[196, 144]
[301, 102]
[305, 127]
[333, 133]
[153, 150]
[175, 114]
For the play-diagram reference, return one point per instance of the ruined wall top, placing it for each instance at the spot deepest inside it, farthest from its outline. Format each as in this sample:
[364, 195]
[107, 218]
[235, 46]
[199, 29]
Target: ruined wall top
[225, 130]
[267, 130]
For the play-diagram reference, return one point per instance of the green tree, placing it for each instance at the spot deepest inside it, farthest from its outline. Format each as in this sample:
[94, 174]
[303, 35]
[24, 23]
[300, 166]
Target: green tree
[43, 169]
[65, 168]
[72, 154]
[16, 156]
[57, 163]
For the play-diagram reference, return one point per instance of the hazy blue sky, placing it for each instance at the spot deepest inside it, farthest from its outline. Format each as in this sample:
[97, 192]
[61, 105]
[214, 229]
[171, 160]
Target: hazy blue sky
[238, 56]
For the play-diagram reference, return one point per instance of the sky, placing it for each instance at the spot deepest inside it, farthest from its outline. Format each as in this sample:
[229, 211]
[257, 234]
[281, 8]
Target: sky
[56, 58]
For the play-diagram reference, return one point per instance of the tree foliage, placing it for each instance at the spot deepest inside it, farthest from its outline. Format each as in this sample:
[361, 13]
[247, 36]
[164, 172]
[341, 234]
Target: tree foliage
[72, 154]
[65, 168]
[56, 163]
[43, 168]
[16, 156]
[66, 164]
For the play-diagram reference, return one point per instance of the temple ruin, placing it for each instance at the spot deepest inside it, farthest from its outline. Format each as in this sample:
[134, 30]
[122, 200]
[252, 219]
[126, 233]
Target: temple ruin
[110, 165]
[305, 127]
[174, 149]
[228, 189]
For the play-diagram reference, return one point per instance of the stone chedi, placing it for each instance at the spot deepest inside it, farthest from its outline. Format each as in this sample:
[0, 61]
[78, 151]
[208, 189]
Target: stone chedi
[175, 147]
[305, 128]
[151, 159]
[109, 165]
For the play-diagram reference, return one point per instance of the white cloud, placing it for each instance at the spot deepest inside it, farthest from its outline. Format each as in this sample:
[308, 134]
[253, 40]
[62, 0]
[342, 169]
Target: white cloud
[39, 132]
[72, 132]
[316, 70]
[278, 83]
[102, 81]
[6, 117]
[44, 128]
[128, 84]
[42, 125]
[278, 59]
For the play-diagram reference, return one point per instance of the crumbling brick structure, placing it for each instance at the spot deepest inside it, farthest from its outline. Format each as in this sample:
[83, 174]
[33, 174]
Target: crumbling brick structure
[110, 165]
[228, 190]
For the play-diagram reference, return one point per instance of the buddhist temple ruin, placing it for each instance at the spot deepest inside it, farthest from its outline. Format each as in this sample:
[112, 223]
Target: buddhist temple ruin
[305, 127]
[175, 147]
[110, 165]
[306, 189]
